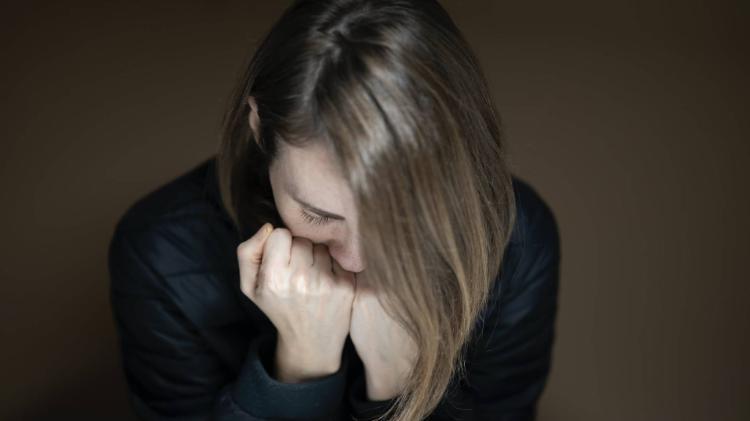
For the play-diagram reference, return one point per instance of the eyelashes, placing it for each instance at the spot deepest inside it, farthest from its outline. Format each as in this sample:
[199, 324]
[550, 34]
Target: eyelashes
[314, 220]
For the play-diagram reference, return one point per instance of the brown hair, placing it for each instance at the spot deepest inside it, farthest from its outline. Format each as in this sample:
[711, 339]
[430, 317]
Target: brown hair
[394, 89]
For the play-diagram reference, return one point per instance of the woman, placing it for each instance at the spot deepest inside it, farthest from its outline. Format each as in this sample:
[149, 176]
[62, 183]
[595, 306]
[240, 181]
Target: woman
[358, 246]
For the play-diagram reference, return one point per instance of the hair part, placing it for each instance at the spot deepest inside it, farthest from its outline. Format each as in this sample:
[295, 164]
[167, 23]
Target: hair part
[395, 91]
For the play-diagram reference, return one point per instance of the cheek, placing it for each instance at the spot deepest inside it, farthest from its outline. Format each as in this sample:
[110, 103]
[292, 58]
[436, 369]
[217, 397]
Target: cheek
[292, 220]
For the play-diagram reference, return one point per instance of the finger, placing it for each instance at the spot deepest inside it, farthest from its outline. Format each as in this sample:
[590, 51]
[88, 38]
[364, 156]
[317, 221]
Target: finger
[250, 254]
[301, 253]
[278, 248]
[321, 258]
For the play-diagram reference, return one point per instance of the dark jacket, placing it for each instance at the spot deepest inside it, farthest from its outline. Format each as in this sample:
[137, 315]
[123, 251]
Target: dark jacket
[193, 346]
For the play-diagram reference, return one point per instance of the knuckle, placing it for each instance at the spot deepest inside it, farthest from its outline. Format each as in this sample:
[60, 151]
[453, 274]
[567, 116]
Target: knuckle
[300, 277]
[277, 234]
[245, 288]
[282, 232]
[241, 249]
[327, 278]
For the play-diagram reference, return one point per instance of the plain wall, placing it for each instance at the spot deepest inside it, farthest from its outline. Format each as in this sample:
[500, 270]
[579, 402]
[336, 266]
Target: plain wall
[629, 118]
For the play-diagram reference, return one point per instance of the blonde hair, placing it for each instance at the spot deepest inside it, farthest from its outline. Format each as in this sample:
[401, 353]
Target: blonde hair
[396, 92]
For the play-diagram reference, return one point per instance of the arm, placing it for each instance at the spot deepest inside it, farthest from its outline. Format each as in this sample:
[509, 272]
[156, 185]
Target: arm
[172, 374]
[360, 406]
[509, 361]
[256, 391]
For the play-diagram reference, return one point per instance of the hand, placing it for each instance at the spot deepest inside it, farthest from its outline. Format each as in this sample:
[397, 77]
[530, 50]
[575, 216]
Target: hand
[305, 294]
[386, 349]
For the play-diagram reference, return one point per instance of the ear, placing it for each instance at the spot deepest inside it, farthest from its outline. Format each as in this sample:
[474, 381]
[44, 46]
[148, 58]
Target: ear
[254, 119]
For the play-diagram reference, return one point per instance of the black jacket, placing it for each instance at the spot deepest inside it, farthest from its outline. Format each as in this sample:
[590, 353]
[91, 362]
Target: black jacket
[193, 346]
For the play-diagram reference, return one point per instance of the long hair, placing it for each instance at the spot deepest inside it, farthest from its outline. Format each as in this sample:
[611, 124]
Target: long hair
[393, 88]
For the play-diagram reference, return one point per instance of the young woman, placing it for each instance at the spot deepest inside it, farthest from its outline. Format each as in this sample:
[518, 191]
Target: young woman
[358, 246]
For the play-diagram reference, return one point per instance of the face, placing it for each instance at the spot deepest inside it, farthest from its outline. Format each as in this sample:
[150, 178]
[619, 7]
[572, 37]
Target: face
[315, 202]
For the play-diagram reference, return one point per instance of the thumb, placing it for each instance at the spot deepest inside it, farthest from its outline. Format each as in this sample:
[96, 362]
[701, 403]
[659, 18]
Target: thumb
[250, 255]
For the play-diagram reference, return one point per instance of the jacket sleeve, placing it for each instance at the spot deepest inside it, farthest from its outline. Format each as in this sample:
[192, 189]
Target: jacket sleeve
[172, 374]
[360, 406]
[511, 361]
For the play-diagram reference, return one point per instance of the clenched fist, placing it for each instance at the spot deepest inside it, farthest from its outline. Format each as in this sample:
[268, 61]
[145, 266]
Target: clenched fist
[306, 295]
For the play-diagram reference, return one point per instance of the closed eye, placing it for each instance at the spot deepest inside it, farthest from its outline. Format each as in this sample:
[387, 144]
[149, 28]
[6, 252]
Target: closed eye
[314, 219]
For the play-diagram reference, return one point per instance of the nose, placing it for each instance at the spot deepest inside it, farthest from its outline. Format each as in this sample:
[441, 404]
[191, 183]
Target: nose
[349, 258]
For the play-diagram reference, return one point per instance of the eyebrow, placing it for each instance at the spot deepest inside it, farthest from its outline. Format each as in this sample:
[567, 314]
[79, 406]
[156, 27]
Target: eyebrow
[293, 192]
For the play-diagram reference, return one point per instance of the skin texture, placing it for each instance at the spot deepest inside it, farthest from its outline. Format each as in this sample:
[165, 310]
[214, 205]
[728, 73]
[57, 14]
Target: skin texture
[306, 295]
[310, 173]
[312, 278]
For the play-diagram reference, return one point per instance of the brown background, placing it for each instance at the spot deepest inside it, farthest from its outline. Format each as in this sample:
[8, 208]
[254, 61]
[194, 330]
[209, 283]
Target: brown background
[630, 118]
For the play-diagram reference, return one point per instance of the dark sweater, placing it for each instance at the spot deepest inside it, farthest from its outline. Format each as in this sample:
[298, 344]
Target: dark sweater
[193, 346]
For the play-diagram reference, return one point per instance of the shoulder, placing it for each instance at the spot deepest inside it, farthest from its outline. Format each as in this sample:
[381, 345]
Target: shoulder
[183, 197]
[535, 221]
[178, 227]
[524, 294]
[532, 255]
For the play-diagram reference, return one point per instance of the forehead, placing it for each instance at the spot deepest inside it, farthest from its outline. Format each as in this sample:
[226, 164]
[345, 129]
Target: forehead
[312, 159]
[312, 168]
[312, 154]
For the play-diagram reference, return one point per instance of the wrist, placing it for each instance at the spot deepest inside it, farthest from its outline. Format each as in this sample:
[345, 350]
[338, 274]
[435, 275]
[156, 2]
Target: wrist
[382, 387]
[292, 364]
